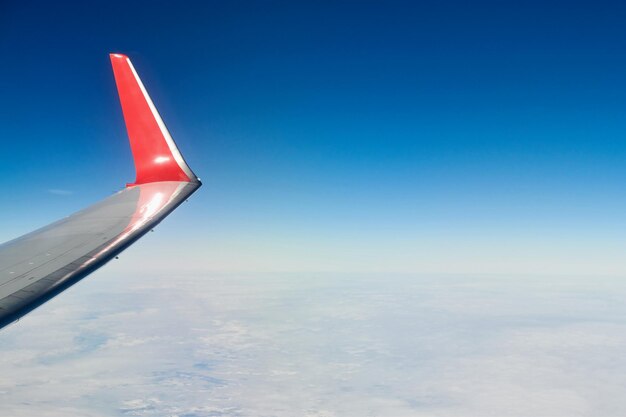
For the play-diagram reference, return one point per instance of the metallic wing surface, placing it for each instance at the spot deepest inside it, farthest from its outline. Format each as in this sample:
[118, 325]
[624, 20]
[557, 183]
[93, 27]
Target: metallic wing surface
[38, 266]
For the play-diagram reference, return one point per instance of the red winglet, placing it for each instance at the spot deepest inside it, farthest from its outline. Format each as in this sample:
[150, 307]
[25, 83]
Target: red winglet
[156, 156]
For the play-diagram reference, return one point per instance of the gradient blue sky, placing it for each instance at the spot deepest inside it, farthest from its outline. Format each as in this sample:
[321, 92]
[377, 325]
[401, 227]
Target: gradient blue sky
[334, 136]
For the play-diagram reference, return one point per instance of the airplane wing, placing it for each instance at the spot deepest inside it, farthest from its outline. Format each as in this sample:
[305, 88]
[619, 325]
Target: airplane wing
[40, 265]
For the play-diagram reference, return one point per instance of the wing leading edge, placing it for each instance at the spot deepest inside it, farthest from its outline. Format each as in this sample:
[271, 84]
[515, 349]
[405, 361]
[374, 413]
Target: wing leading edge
[40, 265]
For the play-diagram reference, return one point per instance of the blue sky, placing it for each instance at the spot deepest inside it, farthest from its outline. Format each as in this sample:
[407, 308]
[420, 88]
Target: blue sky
[335, 136]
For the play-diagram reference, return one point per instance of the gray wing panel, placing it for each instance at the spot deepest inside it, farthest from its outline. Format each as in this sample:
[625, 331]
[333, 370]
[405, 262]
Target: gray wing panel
[41, 264]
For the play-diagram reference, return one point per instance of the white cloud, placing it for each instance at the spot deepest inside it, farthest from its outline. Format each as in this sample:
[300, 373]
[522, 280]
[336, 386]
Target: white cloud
[319, 346]
[57, 191]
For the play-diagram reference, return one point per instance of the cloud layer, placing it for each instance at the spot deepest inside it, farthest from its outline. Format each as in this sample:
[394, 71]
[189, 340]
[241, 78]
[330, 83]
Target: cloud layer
[319, 346]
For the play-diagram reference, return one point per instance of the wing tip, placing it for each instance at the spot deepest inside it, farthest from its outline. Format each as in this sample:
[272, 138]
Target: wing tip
[157, 158]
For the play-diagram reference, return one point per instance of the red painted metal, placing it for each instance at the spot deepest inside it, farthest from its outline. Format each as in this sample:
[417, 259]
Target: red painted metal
[153, 157]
